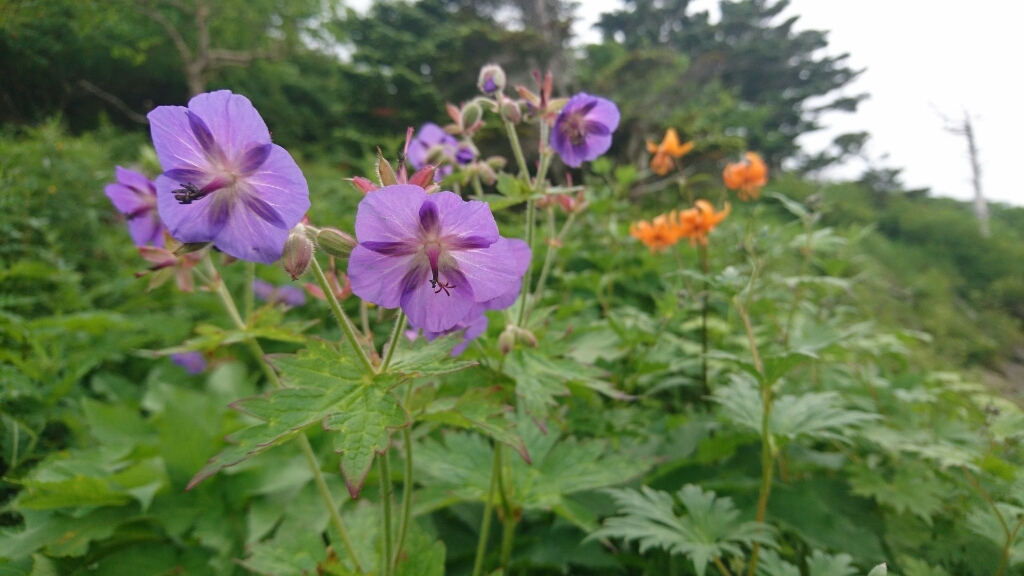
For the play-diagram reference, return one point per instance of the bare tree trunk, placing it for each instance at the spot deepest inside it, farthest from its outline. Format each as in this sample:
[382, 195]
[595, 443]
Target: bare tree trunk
[980, 206]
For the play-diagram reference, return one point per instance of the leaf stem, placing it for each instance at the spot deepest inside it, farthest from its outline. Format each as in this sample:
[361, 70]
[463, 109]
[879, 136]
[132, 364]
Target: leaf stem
[477, 187]
[247, 302]
[508, 513]
[325, 494]
[396, 333]
[721, 566]
[229, 305]
[339, 314]
[485, 523]
[549, 256]
[704, 318]
[1010, 535]
[517, 148]
[384, 470]
[407, 481]
[527, 276]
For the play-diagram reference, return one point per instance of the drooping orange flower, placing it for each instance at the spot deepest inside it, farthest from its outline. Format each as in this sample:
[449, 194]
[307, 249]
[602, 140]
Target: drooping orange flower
[660, 233]
[697, 222]
[669, 148]
[746, 177]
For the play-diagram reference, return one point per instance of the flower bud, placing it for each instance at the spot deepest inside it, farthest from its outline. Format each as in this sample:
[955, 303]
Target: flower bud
[510, 110]
[471, 114]
[298, 251]
[363, 184]
[492, 79]
[423, 177]
[436, 155]
[497, 162]
[385, 173]
[486, 173]
[526, 337]
[464, 154]
[335, 242]
[507, 340]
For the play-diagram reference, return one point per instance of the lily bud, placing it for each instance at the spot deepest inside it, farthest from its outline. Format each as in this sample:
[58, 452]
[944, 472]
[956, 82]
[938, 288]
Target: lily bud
[335, 242]
[492, 79]
[471, 114]
[298, 252]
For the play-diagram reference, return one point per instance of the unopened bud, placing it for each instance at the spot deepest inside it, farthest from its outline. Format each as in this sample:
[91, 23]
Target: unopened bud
[298, 251]
[385, 173]
[363, 184]
[436, 155]
[510, 110]
[546, 201]
[492, 79]
[471, 114]
[423, 177]
[497, 162]
[526, 337]
[507, 340]
[486, 173]
[464, 154]
[335, 242]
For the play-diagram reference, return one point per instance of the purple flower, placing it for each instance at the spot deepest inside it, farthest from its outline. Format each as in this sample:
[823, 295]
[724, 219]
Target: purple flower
[224, 181]
[473, 326]
[435, 256]
[583, 129]
[192, 362]
[432, 145]
[267, 292]
[135, 196]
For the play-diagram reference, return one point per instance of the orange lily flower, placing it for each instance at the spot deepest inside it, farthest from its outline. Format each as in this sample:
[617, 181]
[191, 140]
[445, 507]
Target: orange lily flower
[669, 148]
[699, 221]
[658, 234]
[746, 177]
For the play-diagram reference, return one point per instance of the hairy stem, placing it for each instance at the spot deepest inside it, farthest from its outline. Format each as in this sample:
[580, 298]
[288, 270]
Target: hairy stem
[247, 301]
[384, 470]
[517, 148]
[396, 333]
[339, 314]
[485, 523]
[407, 481]
[325, 494]
[477, 187]
[229, 305]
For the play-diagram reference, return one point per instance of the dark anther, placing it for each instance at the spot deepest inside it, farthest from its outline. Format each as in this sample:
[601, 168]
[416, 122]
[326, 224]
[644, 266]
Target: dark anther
[187, 194]
[439, 286]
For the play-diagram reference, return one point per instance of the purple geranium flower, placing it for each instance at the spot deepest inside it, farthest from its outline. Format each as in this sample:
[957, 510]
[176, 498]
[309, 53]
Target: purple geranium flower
[475, 322]
[135, 196]
[224, 181]
[267, 292]
[583, 129]
[192, 362]
[432, 142]
[435, 256]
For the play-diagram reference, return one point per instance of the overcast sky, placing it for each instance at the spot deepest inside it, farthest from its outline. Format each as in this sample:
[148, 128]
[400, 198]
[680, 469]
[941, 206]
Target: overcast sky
[922, 59]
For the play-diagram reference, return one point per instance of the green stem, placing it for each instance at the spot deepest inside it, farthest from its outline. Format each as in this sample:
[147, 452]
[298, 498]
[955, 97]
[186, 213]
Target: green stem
[339, 314]
[545, 158]
[704, 318]
[257, 350]
[396, 333]
[407, 481]
[517, 148]
[325, 494]
[508, 513]
[250, 277]
[384, 470]
[485, 524]
[477, 187]
[527, 276]
[799, 294]
[364, 319]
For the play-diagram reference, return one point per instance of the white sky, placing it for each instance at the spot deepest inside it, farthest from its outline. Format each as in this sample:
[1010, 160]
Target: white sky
[922, 58]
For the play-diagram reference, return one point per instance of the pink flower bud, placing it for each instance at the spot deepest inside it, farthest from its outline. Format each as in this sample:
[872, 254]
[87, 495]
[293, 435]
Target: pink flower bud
[363, 184]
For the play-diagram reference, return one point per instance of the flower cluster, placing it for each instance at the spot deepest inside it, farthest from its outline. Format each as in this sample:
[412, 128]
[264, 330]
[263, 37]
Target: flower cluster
[664, 153]
[665, 230]
[747, 177]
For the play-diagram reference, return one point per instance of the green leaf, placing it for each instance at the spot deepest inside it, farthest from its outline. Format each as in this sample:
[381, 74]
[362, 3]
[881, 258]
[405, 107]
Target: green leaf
[323, 387]
[915, 567]
[880, 570]
[60, 535]
[771, 564]
[479, 409]
[821, 564]
[539, 379]
[428, 359]
[815, 414]
[913, 487]
[512, 187]
[708, 529]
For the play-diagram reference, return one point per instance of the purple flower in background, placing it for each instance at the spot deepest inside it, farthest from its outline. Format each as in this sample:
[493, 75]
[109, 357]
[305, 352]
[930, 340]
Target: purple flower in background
[135, 196]
[224, 181]
[435, 256]
[192, 362]
[473, 326]
[432, 145]
[583, 129]
[267, 292]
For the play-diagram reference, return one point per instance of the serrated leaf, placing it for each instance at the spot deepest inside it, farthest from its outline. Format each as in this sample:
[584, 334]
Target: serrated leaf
[479, 409]
[539, 379]
[708, 529]
[771, 564]
[428, 359]
[913, 487]
[323, 387]
[880, 570]
[60, 535]
[821, 564]
[512, 187]
[815, 414]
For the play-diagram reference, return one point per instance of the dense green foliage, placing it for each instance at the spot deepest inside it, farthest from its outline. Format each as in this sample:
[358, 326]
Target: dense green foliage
[869, 319]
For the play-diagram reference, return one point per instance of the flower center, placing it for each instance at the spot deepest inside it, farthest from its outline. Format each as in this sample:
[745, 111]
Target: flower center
[433, 251]
[574, 128]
